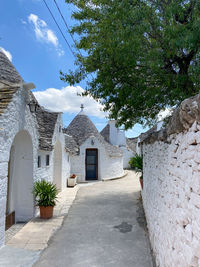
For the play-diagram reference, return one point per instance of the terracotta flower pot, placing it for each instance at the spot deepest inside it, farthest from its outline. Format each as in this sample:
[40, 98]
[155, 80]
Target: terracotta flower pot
[141, 182]
[46, 212]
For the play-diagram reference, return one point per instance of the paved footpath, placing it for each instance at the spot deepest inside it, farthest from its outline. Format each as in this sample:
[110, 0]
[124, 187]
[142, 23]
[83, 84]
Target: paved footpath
[24, 248]
[104, 227]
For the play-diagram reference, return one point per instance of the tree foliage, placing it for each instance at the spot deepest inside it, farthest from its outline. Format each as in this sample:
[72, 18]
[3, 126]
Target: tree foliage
[143, 55]
[137, 164]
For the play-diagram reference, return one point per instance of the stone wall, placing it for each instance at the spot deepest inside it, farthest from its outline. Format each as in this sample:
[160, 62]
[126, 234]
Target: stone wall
[45, 172]
[16, 118]
[127, 155]
[171, 194]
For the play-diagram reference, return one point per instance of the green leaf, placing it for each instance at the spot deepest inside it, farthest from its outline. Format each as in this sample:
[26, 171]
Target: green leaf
[45, 193]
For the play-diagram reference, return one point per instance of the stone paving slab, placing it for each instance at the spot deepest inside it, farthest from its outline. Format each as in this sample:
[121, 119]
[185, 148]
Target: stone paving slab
[13, 230]
[36, 233]
[23, 249]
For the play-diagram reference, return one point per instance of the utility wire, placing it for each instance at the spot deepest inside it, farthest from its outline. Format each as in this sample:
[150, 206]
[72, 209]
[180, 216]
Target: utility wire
[60, 29]
[67, 26]
[69, 32]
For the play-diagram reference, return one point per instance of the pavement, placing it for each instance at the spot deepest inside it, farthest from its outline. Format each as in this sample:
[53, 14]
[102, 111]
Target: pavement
[23, 248]
[105, 227]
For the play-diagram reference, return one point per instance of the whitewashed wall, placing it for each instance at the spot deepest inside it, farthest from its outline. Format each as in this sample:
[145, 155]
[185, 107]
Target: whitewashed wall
[171, 198]
[16, 118]
[108, 167]
[76, 167]
[127, 154]
[47, 172]
[117, 136]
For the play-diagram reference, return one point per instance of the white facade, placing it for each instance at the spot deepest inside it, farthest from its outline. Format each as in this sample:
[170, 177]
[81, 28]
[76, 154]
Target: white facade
[19, 151]
[108, 167]
[117, 138]
[58, 169]
[19, 144]
[127, 154]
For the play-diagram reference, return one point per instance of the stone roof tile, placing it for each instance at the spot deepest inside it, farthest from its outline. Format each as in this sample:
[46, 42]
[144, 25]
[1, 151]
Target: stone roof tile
[106, 132]
[132, 143]
[10, 81]
[70, 145]
[46, 125]
[8, 73]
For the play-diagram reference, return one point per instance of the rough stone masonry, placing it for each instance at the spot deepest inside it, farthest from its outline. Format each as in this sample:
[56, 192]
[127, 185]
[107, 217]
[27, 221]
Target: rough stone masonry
[171, 194]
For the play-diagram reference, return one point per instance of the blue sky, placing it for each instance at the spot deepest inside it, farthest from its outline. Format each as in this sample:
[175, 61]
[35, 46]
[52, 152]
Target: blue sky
[38, 51]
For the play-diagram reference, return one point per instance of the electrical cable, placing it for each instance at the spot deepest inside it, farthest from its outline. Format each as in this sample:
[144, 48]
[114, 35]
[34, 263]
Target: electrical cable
[67, 26]
[59, 29]
[69, 32]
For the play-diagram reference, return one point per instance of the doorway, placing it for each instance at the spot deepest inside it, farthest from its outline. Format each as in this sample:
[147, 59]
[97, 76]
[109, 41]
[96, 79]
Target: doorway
[20, 204]
[91, 164]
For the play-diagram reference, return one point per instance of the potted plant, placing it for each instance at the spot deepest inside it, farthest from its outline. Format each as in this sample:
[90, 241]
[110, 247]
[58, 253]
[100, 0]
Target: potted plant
[45, 194]
[71, 182]
[137, 164]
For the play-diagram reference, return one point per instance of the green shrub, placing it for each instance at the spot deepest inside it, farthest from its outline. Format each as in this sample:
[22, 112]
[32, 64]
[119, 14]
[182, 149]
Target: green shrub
[137, 163]
[45, 193]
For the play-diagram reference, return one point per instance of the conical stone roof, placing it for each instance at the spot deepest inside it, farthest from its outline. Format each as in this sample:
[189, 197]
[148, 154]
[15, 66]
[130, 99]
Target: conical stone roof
[7, 70]
[46, 120]
[81, 128]
[9, 82]
[106, 132]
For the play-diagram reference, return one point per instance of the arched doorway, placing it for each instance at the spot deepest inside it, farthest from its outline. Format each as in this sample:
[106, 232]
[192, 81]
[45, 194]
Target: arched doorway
[20, 204]
[57, 172]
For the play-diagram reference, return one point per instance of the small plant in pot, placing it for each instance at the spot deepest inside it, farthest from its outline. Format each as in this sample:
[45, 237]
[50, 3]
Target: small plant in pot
[45, 194]
[137, 164]
[71, 182]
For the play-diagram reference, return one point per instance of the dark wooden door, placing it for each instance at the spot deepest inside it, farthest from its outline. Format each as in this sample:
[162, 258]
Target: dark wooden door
[91, 162]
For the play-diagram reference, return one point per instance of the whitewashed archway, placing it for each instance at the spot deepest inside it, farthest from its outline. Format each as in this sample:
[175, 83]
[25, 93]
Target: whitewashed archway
[20, 178]
[57, 173]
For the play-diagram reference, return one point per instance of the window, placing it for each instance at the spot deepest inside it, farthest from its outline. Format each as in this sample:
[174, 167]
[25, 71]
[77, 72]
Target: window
[47, 160]
[60, 129]
[39, 161]
[68, 158]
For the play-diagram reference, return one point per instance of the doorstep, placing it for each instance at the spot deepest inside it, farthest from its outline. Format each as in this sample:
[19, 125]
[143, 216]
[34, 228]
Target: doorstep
[116, 178]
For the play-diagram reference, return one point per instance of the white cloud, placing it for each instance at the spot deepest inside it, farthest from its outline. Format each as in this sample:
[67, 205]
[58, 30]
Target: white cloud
[52, 37]
[23, 21]
[7, 53]
[44, 34]
[67, 100]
